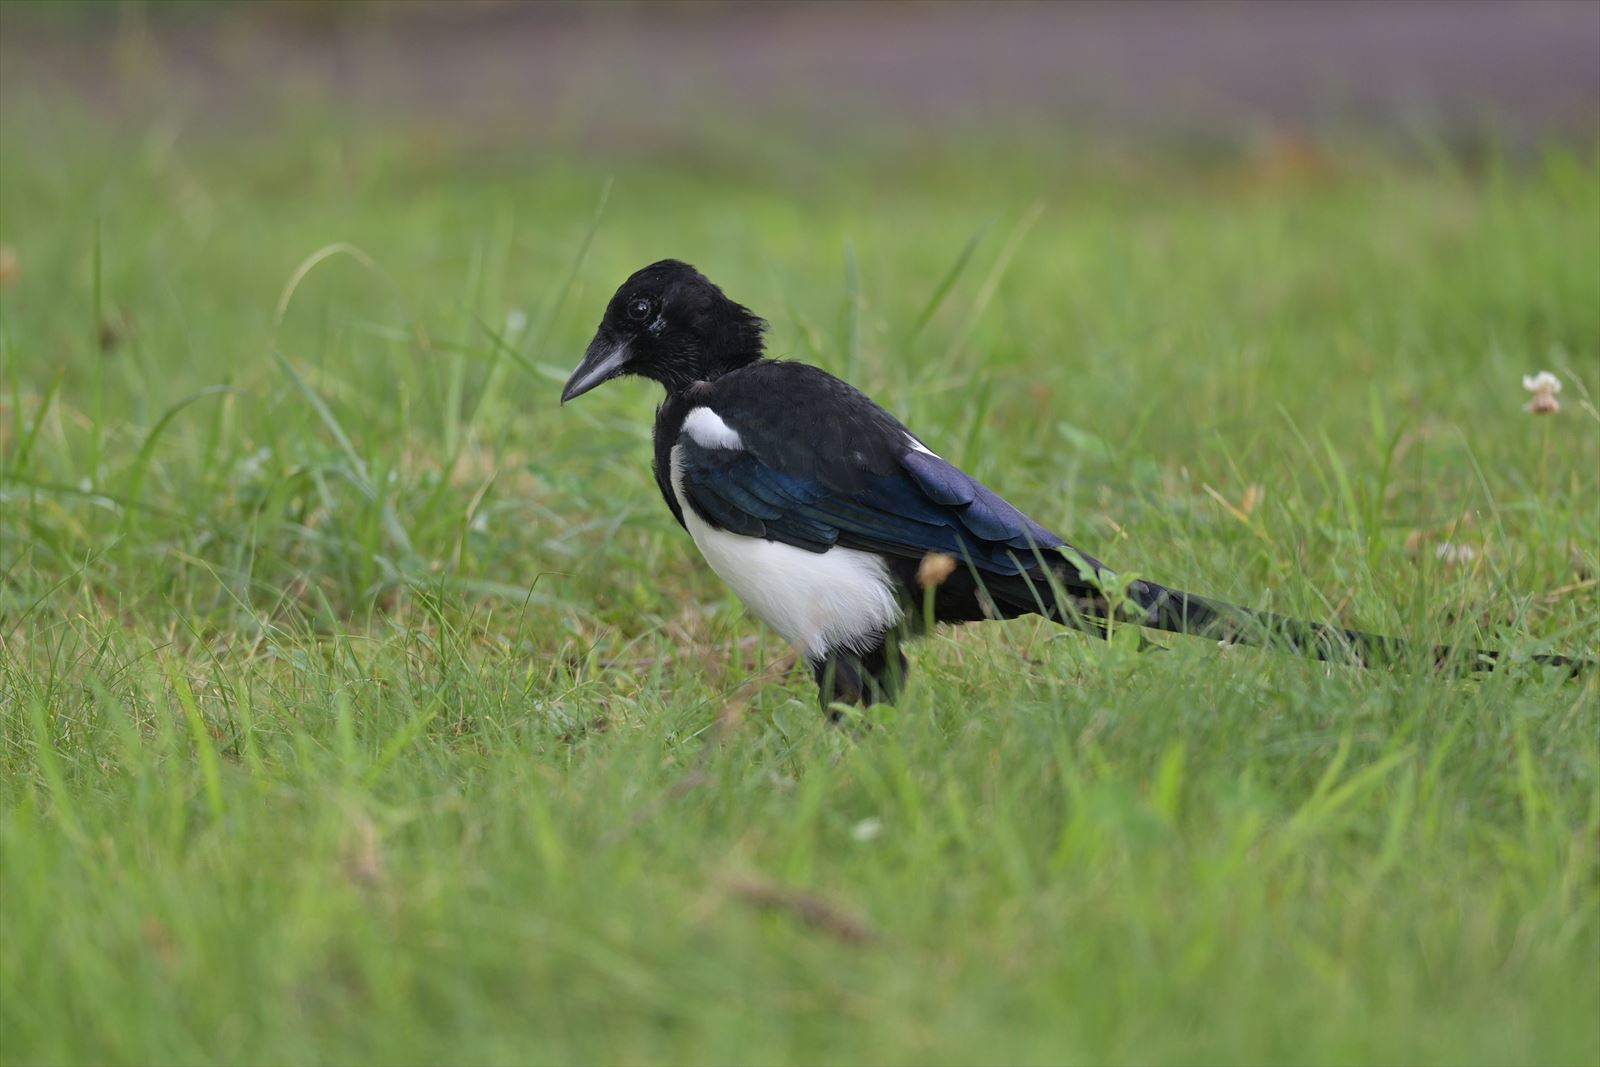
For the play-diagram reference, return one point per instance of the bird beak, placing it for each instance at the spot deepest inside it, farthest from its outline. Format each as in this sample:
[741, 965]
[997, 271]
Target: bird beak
[603, 361]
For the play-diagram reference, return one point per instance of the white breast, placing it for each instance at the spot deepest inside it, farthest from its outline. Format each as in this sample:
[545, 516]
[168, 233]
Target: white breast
[820, 601]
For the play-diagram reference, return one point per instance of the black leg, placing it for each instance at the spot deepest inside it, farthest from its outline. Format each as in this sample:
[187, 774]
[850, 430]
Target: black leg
[848, 677]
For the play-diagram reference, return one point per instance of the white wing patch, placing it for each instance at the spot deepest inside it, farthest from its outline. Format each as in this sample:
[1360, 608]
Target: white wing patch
[822, 601]
[706, 428]
[918, 446]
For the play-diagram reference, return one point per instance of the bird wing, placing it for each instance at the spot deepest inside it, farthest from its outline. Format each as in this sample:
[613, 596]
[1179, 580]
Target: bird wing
[857, 481]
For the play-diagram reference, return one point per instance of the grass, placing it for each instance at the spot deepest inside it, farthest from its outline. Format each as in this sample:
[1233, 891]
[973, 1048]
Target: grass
[360, 705]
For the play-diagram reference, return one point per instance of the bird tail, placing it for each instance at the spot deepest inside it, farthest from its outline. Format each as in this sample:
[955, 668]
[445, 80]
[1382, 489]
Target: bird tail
[1083, 603]
[1178, 612]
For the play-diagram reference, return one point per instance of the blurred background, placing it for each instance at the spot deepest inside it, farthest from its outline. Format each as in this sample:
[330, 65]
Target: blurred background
[658, 78]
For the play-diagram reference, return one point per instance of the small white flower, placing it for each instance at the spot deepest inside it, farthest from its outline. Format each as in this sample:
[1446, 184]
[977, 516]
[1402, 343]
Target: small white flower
[867, 829]
[516, 321]
[1544, 386]
[1451, 552]
[251, 465]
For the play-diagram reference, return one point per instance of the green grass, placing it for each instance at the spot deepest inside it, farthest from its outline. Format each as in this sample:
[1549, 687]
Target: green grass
[360, 705]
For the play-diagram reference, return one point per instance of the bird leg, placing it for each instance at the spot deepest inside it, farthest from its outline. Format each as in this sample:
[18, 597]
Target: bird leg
[847, 676]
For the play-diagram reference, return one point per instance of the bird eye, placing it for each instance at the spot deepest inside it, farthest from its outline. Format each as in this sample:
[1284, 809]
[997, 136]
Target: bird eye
[639, 309]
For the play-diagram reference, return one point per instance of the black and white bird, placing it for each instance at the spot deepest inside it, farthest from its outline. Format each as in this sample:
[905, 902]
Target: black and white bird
[838, 527]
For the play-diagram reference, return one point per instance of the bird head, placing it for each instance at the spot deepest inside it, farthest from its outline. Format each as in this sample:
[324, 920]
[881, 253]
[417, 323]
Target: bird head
[669, 323]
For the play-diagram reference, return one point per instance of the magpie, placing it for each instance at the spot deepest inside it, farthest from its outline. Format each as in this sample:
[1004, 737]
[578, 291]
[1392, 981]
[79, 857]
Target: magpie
[843, 530]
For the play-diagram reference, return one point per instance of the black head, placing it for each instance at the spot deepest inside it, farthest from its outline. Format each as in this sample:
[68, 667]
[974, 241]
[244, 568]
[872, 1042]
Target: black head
[669, 323]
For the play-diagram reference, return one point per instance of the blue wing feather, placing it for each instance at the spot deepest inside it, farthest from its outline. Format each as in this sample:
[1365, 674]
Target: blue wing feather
[822, 465]
[926, 506]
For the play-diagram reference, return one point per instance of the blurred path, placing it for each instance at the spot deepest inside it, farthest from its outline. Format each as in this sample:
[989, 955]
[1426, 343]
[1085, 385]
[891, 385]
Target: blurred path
[615, 71]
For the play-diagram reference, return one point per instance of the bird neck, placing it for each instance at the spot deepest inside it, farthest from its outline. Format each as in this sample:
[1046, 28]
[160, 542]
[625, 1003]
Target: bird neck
[735, 345]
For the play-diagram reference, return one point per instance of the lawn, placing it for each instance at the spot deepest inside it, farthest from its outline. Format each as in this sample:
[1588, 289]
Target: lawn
[360, 704]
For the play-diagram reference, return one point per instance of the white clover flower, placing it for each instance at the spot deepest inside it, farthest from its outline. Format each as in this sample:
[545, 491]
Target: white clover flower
[1544, 386]
[867, 829]
[251, 465]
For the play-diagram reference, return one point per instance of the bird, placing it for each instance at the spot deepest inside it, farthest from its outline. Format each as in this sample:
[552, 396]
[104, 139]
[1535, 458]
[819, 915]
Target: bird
[846, 533]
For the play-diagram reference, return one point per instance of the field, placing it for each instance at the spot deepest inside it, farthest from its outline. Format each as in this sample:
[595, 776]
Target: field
[359, 704]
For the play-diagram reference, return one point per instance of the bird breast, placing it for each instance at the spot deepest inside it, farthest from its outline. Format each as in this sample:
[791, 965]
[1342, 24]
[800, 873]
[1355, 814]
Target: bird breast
[843, 598]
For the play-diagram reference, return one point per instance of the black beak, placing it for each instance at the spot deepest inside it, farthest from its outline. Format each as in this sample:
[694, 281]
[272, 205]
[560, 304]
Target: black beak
[604, 360]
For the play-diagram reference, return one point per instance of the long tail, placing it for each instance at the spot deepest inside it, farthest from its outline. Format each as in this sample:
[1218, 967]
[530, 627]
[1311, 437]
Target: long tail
[1071, 598]
[1178, 612]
